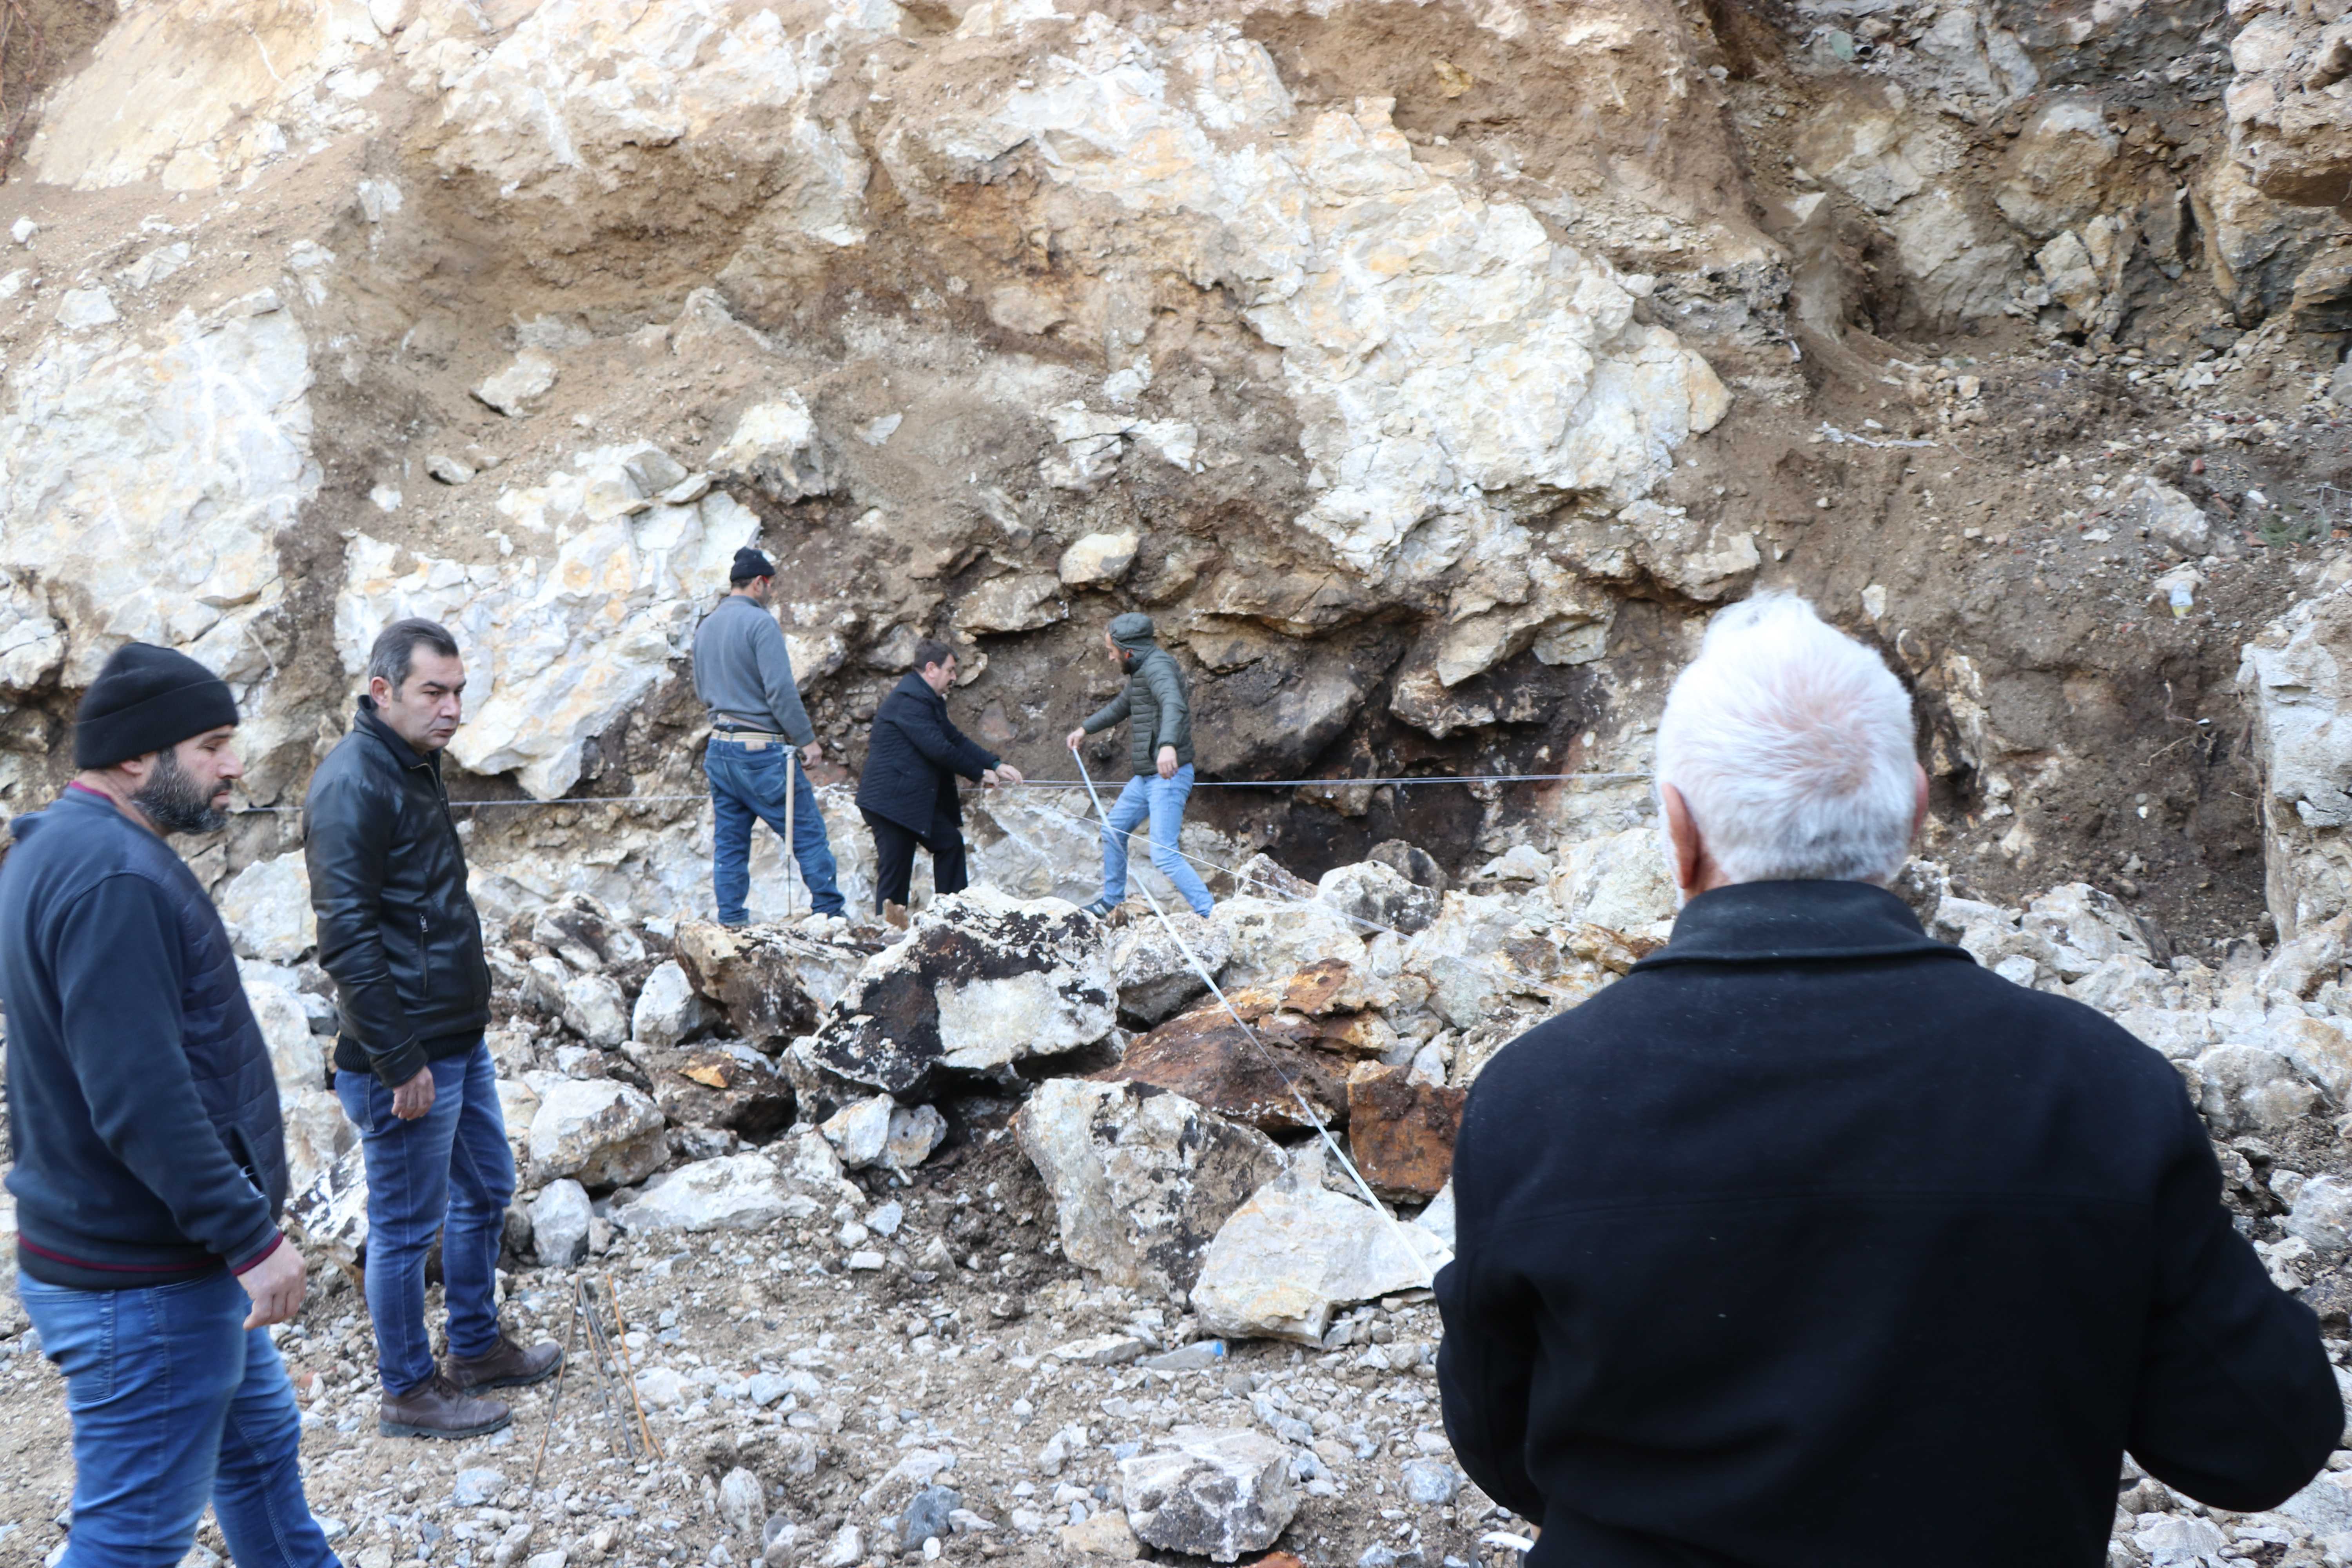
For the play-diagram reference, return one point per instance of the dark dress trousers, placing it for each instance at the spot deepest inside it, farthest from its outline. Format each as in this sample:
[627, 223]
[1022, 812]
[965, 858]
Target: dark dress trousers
[908, 792]
[1808, 1220]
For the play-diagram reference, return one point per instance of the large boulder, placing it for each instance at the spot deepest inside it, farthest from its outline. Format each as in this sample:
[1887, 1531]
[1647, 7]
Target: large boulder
[559, 1222]
[983, 981]
[1273, 939]
[727, 1086]
[754, 975]
[668, 1010]
[1141, 1178]
[1155, 978]
[2297, 676]
[1297, 1251]
[1269, 1081]
[1401, 1129]
[740, 1191]
[267, 908]
[605, 1133]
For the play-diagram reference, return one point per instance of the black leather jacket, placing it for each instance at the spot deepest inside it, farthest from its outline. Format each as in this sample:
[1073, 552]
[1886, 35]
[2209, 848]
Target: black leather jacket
[397, 929]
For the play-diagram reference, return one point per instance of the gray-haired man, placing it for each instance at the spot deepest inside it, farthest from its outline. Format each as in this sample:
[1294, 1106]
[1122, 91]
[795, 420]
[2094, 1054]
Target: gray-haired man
[398, 934]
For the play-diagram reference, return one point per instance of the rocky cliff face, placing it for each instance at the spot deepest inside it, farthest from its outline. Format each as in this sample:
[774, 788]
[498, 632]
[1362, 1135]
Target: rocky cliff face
[1427, 371]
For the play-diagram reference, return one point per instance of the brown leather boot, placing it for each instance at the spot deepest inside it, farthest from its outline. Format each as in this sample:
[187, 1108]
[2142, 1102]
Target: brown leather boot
[509, 1367]
[894, 915]
[439, 1408]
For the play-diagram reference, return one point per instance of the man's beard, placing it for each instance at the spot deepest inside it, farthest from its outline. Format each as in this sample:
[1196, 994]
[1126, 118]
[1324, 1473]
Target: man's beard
[176, 802]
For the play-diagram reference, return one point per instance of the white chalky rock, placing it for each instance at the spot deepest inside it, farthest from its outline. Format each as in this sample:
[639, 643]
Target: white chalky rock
[743, 1502]
[668, 1009]
[1099, 560]
[1431, 1482]
[1156, 979]
[516, 390]
[2297, 674]
[606, 1133]
[2176, 1540]
[1297, 1251]
[1273, 939]
[1212, 1493]
[2170, 517]
[774, 448]
[266, 907]
[860, 1129]
[2322, 1215]
[2247, 1087]
[596, 1009]
[738, 1192]
[1141, 1179]
[659, 1385]
[82, 308]
[916, 1133]
[559, 1217]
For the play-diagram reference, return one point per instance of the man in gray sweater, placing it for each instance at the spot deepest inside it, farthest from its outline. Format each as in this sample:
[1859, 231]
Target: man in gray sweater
[744, 674]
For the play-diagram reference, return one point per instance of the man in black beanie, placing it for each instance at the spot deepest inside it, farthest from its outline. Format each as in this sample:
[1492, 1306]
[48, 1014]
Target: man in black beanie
[151, 1161]
[744, 673]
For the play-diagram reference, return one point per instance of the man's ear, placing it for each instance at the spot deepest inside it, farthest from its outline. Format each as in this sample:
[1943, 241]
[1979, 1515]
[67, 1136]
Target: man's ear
[1919, 800]
[1682, 832]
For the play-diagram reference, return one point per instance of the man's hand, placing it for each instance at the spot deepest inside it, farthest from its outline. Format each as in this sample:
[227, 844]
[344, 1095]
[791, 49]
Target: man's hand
[988, 778]
[811, 753]
[415, 1097]
[1166, 762]
[1007, 773]
[1077, 738]
[276, 1286]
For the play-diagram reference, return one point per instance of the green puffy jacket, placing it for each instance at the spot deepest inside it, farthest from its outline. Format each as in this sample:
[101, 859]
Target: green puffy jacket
[1159, 705]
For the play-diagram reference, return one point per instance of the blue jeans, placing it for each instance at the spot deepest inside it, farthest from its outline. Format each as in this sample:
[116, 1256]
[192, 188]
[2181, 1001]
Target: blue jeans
[744, 785]
[1162, 800]
[450, 1172]
[175, 1403]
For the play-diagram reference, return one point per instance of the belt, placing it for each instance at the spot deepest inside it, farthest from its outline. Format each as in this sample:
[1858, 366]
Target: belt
[719, 733]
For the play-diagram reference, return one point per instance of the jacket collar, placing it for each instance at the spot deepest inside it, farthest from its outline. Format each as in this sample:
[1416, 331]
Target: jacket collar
[406, 755]
[1787, 922]
[913, 684]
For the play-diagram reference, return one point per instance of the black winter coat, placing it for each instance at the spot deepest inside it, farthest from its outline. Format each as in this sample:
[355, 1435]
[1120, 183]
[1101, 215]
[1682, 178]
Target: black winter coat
[397, 930]
[142, 1103]
[1808, 1218]
[912, 757]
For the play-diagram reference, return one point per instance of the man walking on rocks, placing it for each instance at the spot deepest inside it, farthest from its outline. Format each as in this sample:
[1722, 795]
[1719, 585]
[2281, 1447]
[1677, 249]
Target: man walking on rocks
[398, 934]
[908, 792]
[743, 673]
[150, 1158]
[1158, 707]
[1809, 1242]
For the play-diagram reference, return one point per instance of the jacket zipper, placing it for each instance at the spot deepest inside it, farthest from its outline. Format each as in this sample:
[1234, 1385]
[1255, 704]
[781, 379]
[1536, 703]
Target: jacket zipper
[424, 959]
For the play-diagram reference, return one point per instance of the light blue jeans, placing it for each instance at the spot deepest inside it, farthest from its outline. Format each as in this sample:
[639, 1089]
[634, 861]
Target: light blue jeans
[1162, 800]
[448, 1174]
[175, 1403]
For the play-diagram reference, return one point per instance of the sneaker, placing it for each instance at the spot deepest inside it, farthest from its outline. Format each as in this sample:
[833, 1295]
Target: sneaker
[439, 1408]
[509, 1367]
[1100, 906]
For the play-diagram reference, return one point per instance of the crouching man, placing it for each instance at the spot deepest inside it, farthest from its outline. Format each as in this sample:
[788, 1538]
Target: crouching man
[398, 934]
[1809, 1208]
[151, 1161]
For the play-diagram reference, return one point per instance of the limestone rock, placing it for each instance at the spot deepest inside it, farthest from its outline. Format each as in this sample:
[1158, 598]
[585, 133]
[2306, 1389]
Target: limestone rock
[1141, 1178]
[1211, 1060]
[754, 973]
[740, 1191]
[861, 1130]
[983, 981]
[2322, 1215]
[668, 1010]
[267, 908]
[2295, 673]
[916, 1133]
[2255, 246]
[583, 933]
[606, 1134]
[1153, 974]
[517, 390]
[560, 1219]
[774, 449]
[1210, 1492]
[596, 1009]
[1099, 560]
[728, 1087]
[1272, 940]
[1374, 896]
[2289, 120]
[1296, 1251]
[1401, 1131]
[1106, 1535]
[743, 1502]
[2246, 1089]
[1012, 603]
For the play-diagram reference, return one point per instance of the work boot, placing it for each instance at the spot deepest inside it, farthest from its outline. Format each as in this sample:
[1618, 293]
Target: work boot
[509, 1367]
[894, 915]
[439, 1408]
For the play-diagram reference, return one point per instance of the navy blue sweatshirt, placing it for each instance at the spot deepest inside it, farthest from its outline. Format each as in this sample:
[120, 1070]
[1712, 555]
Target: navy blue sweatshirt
[141, 1098]
[1808, 1211]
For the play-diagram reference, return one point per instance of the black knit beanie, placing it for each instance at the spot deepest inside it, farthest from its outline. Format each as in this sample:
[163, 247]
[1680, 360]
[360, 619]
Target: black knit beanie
[145, 699]
[751, 564]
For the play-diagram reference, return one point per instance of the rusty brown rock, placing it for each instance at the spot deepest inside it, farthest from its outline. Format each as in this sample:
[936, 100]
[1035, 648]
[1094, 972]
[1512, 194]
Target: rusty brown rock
[717, 1089]
[1401, 1132]
[752, 976]
[1207, 1057]
[1327, 986]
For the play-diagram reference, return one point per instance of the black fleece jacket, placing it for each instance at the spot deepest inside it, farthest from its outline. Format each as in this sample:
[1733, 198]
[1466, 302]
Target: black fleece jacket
[1809, 1213]
[142, 1103]
[912, 757]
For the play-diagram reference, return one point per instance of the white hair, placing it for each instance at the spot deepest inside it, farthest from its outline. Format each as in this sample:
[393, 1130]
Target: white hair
[1791, 744]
